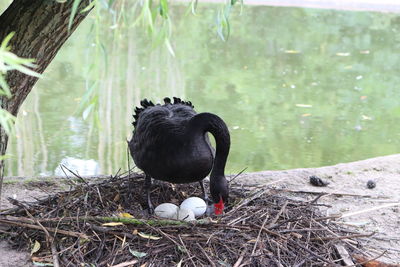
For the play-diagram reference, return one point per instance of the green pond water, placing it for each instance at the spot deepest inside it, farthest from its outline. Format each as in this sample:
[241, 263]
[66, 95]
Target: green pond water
[297, 88]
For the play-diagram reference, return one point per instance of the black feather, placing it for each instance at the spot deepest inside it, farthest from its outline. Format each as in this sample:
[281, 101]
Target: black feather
[145, 104]
[167, 100]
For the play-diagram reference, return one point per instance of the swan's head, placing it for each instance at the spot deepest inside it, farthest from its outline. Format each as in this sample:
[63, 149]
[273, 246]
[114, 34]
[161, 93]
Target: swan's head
[219, 192]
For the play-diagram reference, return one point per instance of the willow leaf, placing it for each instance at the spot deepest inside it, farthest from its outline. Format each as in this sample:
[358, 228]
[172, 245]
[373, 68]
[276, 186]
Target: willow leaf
[75, 6]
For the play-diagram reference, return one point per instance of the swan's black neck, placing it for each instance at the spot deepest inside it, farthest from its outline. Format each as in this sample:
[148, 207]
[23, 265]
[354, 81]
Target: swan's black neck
[207, 122]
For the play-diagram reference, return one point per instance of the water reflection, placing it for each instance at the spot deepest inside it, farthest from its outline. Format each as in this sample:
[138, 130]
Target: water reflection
[297, 87]
[77, 167]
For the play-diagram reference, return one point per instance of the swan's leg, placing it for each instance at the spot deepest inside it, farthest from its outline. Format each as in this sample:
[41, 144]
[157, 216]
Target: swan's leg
[147, 185]
[131, 189]
[205, 196]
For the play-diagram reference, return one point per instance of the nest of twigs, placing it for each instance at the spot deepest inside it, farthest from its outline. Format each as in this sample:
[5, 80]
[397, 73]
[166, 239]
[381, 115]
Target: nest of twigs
[259, 228]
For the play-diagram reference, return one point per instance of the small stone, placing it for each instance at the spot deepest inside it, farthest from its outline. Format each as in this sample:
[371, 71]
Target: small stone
[316, 181]
[371, 184]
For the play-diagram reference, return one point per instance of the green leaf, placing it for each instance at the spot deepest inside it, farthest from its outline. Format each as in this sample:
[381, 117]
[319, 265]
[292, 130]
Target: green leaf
[170, 49]
[164, 8]
[87, 111]
[90, 91]
[26, 71]
[220, 27]
[5, 89]
[193, 5]
[7, 121]
[6, 40]
[10, 61]
[89, 7]
[148, 15]
[137, 254]
[35, 248]
[75, 6]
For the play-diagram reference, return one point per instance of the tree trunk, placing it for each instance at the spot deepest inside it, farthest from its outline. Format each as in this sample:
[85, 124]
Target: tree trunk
[41, 28]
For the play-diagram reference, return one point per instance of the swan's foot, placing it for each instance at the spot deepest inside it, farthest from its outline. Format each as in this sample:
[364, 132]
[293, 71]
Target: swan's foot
[147, 184]
[150, 208]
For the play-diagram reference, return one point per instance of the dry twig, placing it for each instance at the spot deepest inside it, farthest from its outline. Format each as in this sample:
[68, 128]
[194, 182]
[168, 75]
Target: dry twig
[258, 229]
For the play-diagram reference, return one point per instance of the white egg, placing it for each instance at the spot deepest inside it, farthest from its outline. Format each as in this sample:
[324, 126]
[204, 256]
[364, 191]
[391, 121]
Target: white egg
[166, 210]
[196, 204]
[185, 215]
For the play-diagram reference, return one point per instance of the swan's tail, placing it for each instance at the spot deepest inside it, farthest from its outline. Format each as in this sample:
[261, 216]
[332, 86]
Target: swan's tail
[177, 100]
[144, 104]
[167, 101]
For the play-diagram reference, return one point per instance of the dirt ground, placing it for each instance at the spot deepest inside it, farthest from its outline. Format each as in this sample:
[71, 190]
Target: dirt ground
[365, 210]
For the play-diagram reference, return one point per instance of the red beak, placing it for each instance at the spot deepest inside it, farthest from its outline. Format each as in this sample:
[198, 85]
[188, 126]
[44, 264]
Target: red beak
[219, 207]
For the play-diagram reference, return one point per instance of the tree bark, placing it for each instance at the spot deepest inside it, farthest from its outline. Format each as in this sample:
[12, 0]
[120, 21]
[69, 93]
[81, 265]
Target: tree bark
[41, 28]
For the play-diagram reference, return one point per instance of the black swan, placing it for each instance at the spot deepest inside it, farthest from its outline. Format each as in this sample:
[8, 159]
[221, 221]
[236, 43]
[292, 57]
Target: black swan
[170, 143]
